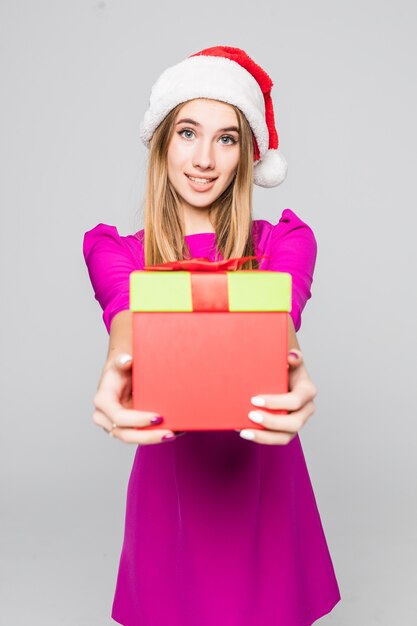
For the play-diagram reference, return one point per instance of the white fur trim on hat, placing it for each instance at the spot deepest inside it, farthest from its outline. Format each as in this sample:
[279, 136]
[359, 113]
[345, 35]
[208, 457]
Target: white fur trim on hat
[217, 78]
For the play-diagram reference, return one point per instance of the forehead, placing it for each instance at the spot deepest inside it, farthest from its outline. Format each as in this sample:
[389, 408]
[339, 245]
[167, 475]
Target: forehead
[208, 112]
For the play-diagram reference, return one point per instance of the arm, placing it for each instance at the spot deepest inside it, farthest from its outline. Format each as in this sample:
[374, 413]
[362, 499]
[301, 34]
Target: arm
[110, 259]
[293, 250]
[120, 339]
[113, 399]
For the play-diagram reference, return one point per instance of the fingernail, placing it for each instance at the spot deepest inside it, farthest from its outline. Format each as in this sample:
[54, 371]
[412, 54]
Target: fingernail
[295, 354]
[157, 420]
[258, 401]
[256, 416]
[247, 434]
[124, 358]
[168, 437]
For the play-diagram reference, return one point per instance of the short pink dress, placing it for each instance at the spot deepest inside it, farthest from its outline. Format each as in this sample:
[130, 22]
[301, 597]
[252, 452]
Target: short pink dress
[219, 531]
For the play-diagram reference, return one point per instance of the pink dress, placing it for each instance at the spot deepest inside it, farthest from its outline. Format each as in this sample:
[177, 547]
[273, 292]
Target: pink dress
[219, 531]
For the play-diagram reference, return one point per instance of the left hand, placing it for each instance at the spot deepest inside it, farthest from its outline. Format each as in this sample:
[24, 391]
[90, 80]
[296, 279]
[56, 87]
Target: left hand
[281, 429]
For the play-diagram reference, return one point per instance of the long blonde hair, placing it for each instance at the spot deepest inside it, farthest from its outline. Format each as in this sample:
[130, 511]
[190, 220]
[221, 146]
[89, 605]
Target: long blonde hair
[164, 234]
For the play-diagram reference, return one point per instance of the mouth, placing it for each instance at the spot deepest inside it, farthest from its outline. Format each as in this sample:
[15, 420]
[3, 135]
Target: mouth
[201, 183]
[200, 179]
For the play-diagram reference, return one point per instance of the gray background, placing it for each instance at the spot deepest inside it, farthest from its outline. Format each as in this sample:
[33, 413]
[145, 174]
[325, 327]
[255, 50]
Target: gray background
[75, 80]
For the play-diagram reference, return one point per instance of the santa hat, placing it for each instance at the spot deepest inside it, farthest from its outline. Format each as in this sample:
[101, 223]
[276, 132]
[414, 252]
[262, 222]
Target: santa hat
[230, 75]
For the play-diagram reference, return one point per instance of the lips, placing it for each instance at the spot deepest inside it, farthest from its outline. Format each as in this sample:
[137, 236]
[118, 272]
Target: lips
[200, 179]
[199, 185]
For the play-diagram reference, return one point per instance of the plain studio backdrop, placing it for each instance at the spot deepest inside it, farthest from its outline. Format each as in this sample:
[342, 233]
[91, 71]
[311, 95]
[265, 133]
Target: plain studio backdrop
[75, 81]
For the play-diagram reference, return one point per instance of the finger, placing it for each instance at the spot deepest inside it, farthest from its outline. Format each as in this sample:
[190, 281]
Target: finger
[114, 368]
[143, 437]
[117, 414]
[124, 361]
[267, 437]
[130, 435]
[285, 423]
[101, 420]
[295, 357]
[303, 392]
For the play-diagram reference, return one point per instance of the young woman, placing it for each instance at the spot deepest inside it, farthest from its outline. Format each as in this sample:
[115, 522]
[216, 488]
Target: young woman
[222, 527]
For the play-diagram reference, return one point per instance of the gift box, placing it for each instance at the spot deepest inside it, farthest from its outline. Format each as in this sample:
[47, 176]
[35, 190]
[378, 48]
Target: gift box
[206, 338]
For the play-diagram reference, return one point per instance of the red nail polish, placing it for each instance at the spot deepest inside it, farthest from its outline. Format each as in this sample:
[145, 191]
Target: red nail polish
[168, 437]
[295, 354]
[157, 420]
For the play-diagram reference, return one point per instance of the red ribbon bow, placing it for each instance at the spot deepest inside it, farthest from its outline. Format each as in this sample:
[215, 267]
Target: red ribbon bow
[202, 264]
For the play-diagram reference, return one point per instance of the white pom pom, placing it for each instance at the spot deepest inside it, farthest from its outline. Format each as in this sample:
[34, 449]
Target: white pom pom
[271, 171]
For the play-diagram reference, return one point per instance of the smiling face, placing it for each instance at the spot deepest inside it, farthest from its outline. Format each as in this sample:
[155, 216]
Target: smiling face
[203, 152]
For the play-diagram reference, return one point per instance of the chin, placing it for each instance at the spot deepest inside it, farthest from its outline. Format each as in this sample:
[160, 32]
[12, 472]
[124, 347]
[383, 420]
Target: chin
[200, 201]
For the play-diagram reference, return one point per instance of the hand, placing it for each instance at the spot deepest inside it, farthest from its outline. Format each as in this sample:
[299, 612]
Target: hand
[113, 401]
[281, 429]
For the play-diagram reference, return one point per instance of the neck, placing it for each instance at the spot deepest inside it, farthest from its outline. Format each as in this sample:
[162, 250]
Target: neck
[197, 220]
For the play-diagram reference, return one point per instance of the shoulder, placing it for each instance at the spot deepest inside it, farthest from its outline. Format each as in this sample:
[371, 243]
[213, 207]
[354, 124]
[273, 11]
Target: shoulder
[106, 240]
[110, 259]
[290, 233]
[289, 222]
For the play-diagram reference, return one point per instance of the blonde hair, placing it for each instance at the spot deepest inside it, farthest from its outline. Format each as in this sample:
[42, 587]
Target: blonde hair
[164, 234]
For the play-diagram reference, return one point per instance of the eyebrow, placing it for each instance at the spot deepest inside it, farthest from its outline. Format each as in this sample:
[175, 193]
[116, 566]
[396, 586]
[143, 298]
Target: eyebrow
[190, 121]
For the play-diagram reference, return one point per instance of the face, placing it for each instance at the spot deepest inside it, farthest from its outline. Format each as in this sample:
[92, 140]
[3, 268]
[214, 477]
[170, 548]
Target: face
[203, 152]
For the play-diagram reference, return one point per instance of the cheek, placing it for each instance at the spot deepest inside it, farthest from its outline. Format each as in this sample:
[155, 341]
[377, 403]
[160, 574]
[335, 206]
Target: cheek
[228, 161]
[231, 166]
[176, 155]
[173, 158]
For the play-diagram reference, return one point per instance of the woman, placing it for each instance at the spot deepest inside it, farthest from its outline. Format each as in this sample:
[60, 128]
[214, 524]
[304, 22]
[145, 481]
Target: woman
[219, 529]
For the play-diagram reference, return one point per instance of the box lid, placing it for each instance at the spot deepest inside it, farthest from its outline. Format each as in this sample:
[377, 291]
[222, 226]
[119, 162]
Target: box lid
[245, 290]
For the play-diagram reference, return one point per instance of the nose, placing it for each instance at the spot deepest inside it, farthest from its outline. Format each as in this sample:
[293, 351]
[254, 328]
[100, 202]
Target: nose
[203, 155]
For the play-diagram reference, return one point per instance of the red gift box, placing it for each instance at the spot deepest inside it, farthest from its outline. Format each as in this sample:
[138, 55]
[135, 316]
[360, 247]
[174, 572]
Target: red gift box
[206, 338]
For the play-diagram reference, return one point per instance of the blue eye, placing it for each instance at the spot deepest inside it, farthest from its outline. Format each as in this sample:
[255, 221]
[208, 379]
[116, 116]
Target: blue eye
[231, 139]
[186, 130]
[228, 137]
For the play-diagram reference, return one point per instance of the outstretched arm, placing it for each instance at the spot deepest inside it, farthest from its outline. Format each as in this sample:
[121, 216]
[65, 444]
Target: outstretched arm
[113, 399]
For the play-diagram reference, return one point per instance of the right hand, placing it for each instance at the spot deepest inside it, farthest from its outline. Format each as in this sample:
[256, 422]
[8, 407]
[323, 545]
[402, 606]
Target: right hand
[113, 402]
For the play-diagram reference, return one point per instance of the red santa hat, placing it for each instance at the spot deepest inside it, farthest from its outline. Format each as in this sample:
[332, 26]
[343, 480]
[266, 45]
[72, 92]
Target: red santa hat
[230, 75]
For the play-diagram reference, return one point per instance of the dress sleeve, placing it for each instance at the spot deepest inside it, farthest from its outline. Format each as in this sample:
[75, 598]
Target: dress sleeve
[110, 258]
[293, 249]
